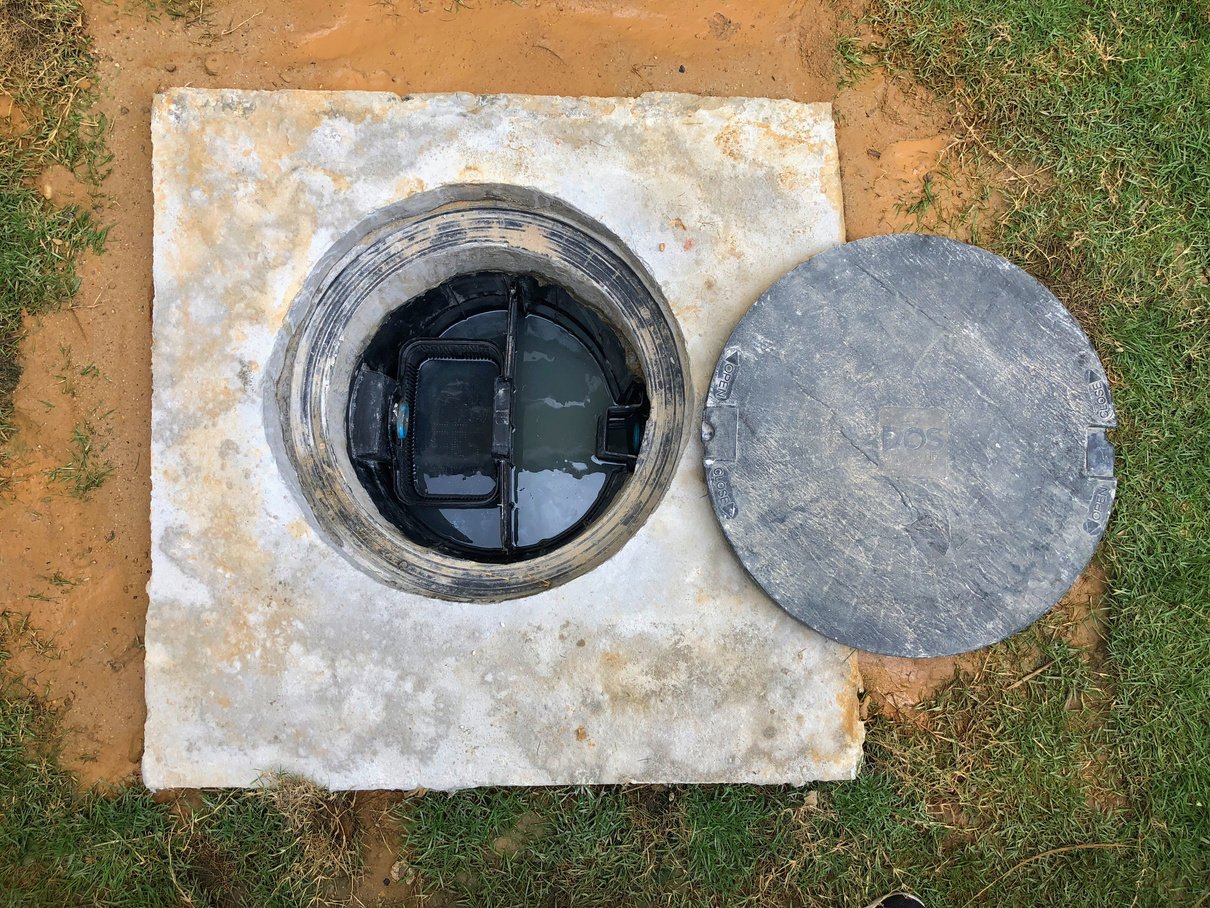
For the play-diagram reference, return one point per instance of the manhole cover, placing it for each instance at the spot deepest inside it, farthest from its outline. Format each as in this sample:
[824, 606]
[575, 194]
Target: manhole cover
[905, 445]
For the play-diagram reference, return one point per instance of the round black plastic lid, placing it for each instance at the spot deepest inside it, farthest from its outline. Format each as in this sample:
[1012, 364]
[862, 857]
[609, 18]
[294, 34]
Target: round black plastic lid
[905, 445]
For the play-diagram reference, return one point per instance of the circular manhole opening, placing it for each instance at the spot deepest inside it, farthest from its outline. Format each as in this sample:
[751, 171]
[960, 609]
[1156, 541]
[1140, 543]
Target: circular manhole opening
[495, 417]
[481, 394]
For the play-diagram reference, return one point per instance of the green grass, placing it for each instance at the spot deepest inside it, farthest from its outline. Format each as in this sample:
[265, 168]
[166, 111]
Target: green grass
[189, 12]
[46, 67]
[851, 61]
[1054, 776]
[275, 848]
[1111, 100]
[85, 471]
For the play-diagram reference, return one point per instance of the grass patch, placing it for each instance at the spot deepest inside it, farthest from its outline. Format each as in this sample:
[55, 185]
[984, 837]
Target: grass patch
[285, 846]
[1111, 101]
[591, 846]
[851, 60]
[191, 11]
[85, 472]
[46, 92]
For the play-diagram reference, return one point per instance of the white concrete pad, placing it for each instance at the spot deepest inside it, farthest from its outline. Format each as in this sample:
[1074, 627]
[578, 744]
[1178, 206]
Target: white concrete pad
[268, 651]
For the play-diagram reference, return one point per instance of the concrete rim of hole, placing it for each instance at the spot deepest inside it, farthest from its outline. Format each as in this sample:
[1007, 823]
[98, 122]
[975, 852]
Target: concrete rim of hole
[418, 244]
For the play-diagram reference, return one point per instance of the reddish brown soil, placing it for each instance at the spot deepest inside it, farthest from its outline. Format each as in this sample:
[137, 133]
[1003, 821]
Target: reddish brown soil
[383, 882]
[92, 669]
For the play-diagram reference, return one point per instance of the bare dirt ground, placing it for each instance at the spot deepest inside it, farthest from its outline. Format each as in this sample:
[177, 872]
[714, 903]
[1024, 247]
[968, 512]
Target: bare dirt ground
[80, 567]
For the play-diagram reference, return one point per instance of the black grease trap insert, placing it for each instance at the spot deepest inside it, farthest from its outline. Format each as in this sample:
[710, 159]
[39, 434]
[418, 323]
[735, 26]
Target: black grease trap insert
[495, 417]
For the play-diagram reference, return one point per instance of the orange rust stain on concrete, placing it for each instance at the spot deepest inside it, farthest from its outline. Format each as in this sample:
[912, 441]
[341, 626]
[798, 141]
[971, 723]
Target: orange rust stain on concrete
[613, 661]
[730, 142]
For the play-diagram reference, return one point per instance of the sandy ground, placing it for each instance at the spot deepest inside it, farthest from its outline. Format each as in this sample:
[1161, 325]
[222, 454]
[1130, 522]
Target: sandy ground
[80, 567]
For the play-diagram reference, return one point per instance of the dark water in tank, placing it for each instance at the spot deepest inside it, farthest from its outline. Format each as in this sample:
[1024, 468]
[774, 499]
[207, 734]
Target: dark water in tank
[560, 395]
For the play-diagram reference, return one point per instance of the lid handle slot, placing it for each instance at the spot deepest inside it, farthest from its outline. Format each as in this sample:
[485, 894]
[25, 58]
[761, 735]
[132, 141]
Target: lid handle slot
[720, 434]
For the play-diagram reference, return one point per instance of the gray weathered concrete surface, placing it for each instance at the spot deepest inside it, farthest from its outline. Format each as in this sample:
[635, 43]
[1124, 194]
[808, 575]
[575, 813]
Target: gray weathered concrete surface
[267, 651]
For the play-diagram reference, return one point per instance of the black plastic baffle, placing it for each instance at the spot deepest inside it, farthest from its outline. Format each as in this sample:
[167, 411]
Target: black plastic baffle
[444, 421]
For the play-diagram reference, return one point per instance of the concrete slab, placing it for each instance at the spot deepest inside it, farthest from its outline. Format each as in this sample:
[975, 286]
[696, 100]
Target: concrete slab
[268, 651]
